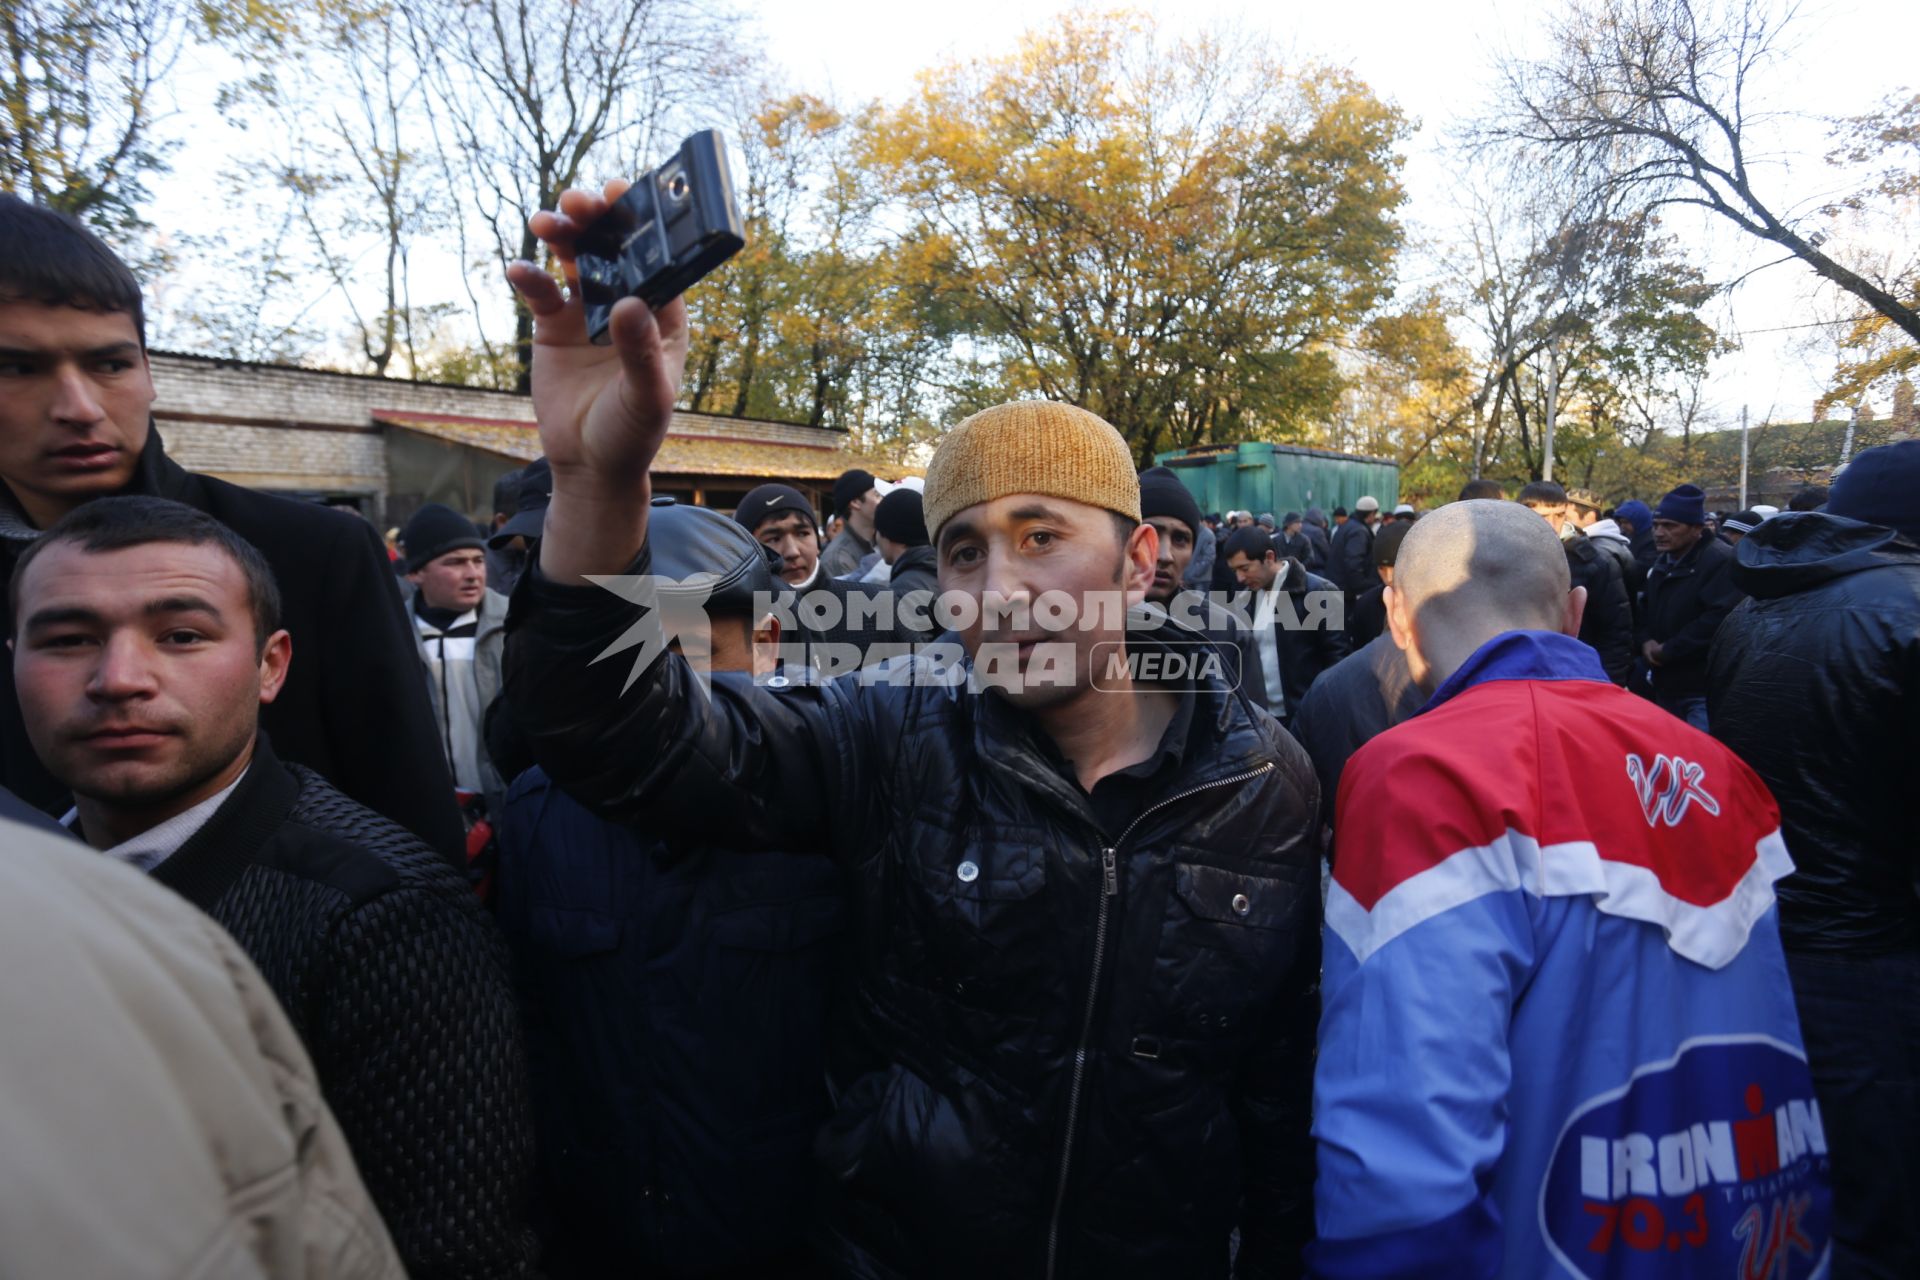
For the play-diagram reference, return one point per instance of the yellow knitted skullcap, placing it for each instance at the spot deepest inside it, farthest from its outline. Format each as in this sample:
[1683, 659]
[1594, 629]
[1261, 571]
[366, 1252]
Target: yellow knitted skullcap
[1031, 446]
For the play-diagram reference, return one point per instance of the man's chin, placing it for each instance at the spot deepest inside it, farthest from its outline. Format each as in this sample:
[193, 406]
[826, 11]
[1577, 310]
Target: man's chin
[1036, 697]
[134, 784]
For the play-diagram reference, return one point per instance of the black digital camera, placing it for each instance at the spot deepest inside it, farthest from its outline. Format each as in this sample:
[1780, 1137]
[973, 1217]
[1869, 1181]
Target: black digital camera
[671, 228]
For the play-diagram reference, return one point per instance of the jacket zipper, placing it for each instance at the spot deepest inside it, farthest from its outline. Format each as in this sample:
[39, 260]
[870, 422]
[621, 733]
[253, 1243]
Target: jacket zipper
[1109, 889]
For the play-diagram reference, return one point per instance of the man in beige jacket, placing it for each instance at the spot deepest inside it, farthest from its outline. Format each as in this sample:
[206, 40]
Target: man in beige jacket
[159, 1117]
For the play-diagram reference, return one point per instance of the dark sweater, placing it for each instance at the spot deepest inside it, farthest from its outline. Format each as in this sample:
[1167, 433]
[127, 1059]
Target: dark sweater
[398, 984]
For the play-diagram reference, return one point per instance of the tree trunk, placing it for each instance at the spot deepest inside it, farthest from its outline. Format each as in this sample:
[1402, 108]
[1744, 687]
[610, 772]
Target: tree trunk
[523, 323]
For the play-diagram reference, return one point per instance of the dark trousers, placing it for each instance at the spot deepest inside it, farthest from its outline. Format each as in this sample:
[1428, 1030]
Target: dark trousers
[1860, 1015]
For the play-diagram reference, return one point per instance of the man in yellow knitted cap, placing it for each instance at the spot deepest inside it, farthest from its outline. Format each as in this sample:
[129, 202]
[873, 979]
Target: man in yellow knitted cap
[1078, 1038]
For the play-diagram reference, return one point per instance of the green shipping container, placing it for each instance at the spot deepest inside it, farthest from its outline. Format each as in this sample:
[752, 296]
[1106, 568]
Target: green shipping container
[1259, 477]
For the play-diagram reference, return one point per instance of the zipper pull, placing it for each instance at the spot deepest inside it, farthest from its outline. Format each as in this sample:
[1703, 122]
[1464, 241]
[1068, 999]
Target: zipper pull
[1113, 877]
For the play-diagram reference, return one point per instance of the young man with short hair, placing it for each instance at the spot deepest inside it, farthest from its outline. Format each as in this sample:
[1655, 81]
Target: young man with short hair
[1080, 1029]
[1299, 620]
[146, 642]
[1557, 1035]
[76, 399]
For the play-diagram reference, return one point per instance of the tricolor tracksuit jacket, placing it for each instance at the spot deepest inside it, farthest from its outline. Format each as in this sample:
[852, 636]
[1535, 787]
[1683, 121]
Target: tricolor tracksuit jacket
[1557, 1035]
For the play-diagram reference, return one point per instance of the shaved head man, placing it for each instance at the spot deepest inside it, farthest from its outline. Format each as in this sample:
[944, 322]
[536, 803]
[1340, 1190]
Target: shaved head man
[1468, 572]
[1551, 957]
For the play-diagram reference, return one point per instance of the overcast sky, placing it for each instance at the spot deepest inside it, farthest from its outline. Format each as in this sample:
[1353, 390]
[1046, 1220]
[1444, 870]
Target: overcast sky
[1431, 58]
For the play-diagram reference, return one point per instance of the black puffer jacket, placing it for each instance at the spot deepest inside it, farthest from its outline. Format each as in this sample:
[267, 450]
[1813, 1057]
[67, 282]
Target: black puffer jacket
[1069, 1052]
[1683, 605]
[1816, 683]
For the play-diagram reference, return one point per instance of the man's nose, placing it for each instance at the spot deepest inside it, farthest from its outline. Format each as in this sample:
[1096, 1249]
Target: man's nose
[125, 670]
[74, 399]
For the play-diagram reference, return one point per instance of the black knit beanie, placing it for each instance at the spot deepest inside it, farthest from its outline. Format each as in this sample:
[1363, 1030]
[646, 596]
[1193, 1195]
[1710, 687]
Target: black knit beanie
[435, 530]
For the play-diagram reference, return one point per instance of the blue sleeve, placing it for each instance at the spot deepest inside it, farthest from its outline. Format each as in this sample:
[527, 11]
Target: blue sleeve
[1410, 1091]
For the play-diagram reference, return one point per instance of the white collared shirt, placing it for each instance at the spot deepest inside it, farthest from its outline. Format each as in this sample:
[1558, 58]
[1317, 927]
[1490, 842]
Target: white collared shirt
[1263, 615]
[157, 843]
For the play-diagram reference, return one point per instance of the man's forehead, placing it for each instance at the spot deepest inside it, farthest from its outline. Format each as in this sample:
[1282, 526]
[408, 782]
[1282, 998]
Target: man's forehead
[1171, 524]
[38, 326]
[465, 555]
[126, 578]
[783, 521]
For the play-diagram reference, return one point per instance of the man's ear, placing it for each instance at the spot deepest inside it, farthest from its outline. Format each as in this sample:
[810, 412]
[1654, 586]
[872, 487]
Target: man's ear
[1399, 618]
[766, 646]
[1576, 610]
[1143, 560]
[275, 658]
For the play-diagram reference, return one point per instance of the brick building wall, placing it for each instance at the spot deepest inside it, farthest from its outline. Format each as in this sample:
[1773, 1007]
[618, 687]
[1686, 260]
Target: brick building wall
[312, 432]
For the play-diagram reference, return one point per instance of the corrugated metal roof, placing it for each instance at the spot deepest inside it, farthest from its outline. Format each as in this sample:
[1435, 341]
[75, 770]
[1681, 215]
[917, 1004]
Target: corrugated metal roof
[682, 454]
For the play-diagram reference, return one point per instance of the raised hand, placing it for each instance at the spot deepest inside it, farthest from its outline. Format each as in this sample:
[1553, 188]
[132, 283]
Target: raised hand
[602, 411]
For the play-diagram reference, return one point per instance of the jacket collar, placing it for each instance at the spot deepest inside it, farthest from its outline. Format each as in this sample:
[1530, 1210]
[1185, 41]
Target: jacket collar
[1231, 742]
[490, 615]
[206, 866]
[915, 558]
[1671, 566]
[1522, 655]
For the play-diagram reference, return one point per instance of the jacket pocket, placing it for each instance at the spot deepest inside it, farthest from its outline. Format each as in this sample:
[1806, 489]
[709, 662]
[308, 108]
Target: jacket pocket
[1233, 898]
[1227, 940]
[979, 924]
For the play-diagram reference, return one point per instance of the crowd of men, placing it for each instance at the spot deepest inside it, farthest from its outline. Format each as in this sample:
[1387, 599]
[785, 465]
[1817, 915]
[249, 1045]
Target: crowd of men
[1019, 872]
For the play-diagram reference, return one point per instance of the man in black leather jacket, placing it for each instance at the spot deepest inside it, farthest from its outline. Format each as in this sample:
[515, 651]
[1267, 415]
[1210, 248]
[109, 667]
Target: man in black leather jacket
[1083, 918]
[1815, 681]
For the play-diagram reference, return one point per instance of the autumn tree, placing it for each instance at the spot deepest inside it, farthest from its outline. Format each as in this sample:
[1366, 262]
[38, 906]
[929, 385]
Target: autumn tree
[79, 99]
[1408, 396]
[818, 320]
[1173, 233]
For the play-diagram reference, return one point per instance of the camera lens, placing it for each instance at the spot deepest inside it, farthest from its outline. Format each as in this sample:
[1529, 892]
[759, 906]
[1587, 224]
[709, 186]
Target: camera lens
[677, 186]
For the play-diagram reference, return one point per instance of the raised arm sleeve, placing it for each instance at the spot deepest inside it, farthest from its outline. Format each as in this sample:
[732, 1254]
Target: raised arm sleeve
[630, 731]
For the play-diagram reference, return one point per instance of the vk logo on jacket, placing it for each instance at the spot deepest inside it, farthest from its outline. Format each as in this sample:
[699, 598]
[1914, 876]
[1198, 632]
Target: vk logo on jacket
[1668, 787]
